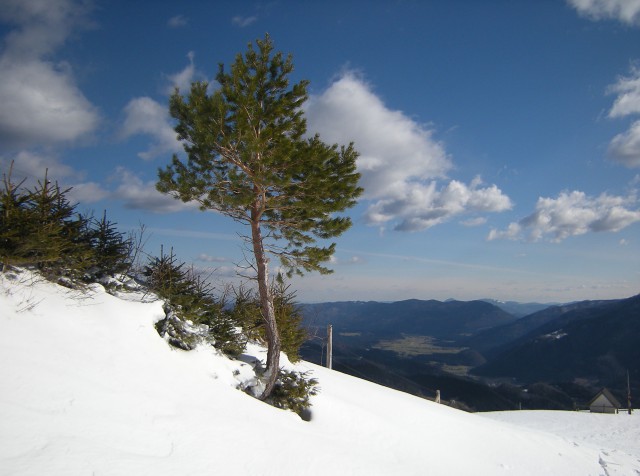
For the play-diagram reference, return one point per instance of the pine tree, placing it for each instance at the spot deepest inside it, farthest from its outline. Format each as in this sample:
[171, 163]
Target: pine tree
[289, 319]
[13, 222]
[248, 158]
[41, 228]
[58, 242]
[112, 251]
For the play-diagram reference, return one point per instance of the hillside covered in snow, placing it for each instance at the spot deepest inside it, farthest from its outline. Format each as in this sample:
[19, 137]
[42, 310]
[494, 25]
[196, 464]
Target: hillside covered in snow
[89, 387]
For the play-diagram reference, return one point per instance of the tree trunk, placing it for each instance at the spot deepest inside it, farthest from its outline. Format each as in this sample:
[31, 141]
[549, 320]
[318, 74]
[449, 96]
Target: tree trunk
[268, 313]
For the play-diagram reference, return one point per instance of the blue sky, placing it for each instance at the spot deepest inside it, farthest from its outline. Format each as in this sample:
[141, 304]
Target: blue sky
[499, 140]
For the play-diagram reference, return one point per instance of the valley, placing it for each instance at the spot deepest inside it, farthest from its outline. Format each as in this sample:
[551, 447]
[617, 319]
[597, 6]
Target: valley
[480, 356]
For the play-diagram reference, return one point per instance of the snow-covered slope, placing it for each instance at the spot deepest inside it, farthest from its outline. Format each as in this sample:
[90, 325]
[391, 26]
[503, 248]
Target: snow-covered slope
[89, 388]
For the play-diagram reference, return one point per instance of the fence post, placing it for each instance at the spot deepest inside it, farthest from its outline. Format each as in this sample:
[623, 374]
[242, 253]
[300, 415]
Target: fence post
[329, 346]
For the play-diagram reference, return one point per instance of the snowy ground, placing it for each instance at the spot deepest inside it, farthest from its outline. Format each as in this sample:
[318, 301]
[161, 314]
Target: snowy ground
[89, 388]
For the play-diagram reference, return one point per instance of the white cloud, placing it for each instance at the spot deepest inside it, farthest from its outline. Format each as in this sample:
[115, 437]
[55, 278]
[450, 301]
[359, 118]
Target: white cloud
[146, 116]
[138, 194]
[628, 90]
[625, 147]
[626, 11]
[399, 159]
[242, 21]
[183, 79]
[423, 206]
[177, 21]
[32, 167]
[88, 192]
[143, 115]
[41, 103]
[393, 148]
[573, 214]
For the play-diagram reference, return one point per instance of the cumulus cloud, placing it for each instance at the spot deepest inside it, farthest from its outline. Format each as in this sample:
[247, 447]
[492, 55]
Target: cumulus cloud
[41, 103]
[31, 166]
[625, 147]
[144, 115]
[183, 79]
[138, 194]
[627, 89]
[423, 205]
[626, 11]
[573, 213]
[88, 192]
[400, 160]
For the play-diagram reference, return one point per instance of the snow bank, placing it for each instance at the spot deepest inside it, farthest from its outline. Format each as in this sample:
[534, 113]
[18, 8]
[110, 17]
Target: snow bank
[88, 387]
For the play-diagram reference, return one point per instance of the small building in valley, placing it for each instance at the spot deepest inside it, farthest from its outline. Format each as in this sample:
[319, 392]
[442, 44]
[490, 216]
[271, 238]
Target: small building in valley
[604, 402]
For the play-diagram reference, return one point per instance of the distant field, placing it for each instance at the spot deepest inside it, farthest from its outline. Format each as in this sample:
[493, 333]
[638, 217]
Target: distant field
[409, 346]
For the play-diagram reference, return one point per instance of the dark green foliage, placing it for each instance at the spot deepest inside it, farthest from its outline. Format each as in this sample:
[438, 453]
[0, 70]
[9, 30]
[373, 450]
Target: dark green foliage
[113, 251]
[246, 149]
[190, 302]
[13, 223]
[180, 333]
[292, 392]
[246, 311]
[60, 238]
[40, 228]
[289, 319]
[248, 158]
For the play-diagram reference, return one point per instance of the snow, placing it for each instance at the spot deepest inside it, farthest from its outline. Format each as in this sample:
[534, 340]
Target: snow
[89, 388]
[618, 436]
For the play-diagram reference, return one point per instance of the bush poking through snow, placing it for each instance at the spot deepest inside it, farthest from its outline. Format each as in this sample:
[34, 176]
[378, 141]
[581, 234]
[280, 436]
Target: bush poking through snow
[182, 334]
[292, 392]
[190, 306]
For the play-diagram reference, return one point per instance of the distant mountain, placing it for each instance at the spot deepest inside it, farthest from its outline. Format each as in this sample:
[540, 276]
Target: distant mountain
[595, 342]
[372, 320]
[492, 341]
[519, 309]
[559, 356]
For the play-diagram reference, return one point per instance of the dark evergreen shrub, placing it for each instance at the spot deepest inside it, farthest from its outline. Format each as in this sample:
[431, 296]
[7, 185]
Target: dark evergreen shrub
[13, 223]
[289, 319]
[180, 333]
[40, 228]
[248, 313]
[191, 300]
[113, 251]
[293, 391]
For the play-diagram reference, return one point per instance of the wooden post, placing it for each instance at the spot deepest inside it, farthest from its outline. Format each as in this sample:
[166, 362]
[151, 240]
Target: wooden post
[628, 394]
[329, 346]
